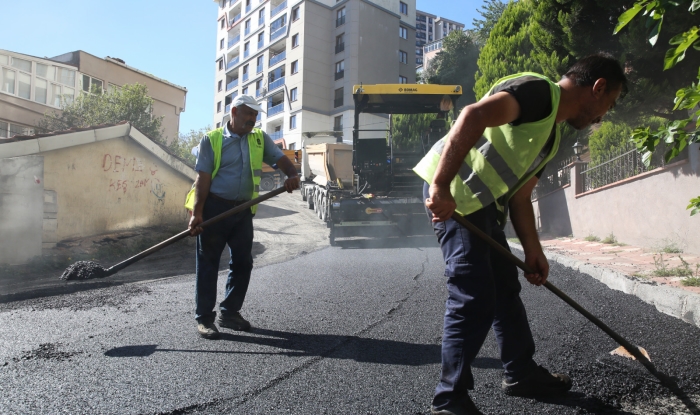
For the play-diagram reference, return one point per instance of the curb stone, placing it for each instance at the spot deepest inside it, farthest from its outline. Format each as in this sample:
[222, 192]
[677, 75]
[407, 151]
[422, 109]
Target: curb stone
[673, 301]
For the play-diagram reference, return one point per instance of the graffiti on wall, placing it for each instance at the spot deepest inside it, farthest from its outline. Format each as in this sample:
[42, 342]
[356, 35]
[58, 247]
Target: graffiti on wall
[146, 176]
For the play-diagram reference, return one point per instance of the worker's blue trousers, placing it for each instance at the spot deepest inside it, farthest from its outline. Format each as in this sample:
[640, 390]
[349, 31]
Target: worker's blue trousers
[483, 292]
[237, 232]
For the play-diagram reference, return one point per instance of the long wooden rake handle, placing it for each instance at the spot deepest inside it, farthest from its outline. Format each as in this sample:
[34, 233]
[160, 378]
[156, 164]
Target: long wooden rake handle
[118, 267]
[634, 350]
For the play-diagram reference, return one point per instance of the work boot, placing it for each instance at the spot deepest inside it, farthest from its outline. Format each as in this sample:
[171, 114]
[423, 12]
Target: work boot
[467, 407]
[234, 321]
[207, 329]
[539, 383]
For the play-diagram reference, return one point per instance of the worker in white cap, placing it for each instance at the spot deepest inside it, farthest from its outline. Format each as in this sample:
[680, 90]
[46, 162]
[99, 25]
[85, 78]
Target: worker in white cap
[229, 168]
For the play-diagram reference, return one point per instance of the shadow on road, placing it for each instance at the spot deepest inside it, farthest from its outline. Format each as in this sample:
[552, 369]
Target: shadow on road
[422, 241]
[330, 346]
[266, 211]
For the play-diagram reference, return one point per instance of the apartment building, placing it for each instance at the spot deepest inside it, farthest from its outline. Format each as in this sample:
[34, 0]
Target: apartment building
[431, 28]
[31, 86]
[300, 59]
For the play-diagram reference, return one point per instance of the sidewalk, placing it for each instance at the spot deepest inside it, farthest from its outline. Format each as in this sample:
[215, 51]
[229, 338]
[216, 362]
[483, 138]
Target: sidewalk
[655, 277]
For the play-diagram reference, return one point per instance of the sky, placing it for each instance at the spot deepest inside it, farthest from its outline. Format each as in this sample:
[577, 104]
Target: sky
[174, 40]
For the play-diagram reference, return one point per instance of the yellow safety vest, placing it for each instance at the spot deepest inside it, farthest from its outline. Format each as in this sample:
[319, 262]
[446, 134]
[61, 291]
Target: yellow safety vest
[501, 161]
[256, 149]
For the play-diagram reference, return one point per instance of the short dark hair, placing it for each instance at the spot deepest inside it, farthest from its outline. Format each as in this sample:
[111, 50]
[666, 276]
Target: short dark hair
[600, 65]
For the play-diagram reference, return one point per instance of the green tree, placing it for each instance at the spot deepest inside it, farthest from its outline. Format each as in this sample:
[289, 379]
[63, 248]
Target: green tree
[182, 147]
[490, 12]
[409, 129]
[129, 103]
[610, 136]
[456, 64]
[508, 49]
[684, 130]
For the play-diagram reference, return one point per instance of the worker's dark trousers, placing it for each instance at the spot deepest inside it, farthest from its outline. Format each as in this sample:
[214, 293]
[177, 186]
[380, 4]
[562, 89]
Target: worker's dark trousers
[237, 232]
[483, 292]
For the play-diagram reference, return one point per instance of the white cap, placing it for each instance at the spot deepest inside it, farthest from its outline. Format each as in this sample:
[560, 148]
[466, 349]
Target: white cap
[248, 101]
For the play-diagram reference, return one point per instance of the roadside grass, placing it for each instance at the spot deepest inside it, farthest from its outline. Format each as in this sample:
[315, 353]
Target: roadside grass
[670, 248]
[610, 239]
[592, 238]
[683, 270]
[514, 240]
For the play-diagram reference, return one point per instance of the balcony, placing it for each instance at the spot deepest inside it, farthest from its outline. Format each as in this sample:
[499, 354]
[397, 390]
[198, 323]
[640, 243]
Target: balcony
[275, 84]
[339, 74]
[277, 33]
[261, 44]
[275, 109]
[235, 19]
[278, 58]
[232, 2]
[340, 21]
[339, 47]
[276, 135]
[279, 8]
[233, 41]
[233, 62]
[245, 77]
[231, 85]
[338, 102]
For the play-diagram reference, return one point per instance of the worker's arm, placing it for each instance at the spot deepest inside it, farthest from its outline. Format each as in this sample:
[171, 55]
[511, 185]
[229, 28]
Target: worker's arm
[286, 165]
[498, 109]
[523, 218]
[201, 190]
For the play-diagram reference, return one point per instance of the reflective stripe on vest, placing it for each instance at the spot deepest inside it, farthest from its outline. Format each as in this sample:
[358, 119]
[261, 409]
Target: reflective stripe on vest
[256, 149]
[500, 162]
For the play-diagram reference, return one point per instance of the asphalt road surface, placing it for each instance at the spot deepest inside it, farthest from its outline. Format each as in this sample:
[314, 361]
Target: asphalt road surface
[353, 329]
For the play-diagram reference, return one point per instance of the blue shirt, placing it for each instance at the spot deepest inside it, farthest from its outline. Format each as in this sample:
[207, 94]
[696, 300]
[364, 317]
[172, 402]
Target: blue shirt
[234, 180]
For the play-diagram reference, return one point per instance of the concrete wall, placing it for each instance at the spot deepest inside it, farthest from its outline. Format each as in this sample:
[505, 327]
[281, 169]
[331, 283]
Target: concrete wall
[22, 206]
[647, 210]
[110, 185]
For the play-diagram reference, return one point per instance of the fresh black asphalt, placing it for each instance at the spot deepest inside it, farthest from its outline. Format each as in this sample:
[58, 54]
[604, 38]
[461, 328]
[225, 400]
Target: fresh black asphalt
[353, 329]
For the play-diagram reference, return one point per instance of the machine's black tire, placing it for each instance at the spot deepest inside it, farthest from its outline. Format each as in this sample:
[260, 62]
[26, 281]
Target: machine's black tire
[324, 209]
[310, 201]
[315, 202]
[319, 201]
[331, 237]
[267, 184]
[303, 194]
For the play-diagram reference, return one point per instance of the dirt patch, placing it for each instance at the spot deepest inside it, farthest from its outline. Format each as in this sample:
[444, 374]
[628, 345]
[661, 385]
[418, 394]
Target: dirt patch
[46, 351]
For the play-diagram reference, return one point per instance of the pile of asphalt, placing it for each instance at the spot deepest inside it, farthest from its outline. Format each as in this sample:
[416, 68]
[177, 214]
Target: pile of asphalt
[83, 270]
[47, 351]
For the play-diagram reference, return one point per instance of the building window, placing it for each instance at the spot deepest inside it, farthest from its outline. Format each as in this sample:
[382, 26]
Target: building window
[293, 95]
[340, 43]
[295, 67]
[90, 84]
[403, 7]
[295, 40]
[403, 32]
[338, 99]
[258, 86]
[338, 123]
[403, 57]
[221, 64]
[218, 125]
[261, 40]
[292, 122]
[403, 79]
[218, 106]
[340, 17]
[260, 63]
[295, 14]
[261, 17]
[246, 50]
[220, 85]
[339, 69]
[244, 91]
[223, 22]
[221, 44]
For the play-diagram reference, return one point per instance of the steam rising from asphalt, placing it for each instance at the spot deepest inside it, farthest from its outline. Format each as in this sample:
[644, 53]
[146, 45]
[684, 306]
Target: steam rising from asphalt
[83, 270]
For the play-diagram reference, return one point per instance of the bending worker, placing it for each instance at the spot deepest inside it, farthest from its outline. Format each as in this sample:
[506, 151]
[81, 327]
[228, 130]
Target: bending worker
[486, 165]
[228, 167]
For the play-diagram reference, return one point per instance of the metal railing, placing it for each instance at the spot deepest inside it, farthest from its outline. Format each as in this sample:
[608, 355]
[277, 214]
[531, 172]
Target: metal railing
[278, 58]
[235, 19]
[339, 74]
[338, 102]
[339, 47]
[551, 182]
[276, 135]
[279, 8]
[340, 21]
[276, 84]
[234, 41]
[616, 166]
[275, 109]
[233, 62]
[232, 84]
[277, 33]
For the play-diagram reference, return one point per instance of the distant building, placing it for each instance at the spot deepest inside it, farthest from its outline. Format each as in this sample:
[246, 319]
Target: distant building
[31, 86]
[300, 59]
[431, 28]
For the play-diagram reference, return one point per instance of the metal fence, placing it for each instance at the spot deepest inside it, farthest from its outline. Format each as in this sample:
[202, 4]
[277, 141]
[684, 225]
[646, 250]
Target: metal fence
[557, 179]
[617, 165]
